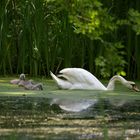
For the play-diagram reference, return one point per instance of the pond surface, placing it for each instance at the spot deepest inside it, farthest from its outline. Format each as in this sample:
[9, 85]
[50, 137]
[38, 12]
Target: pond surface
[65, 115]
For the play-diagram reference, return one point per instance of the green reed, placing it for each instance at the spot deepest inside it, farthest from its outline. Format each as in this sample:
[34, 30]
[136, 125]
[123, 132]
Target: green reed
[37, 36]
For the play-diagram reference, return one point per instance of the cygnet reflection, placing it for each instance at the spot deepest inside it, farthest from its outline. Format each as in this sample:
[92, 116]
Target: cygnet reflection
[74, 105]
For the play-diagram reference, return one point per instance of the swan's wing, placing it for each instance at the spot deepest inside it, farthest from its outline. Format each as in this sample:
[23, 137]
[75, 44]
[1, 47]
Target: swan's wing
[80, 76]
[76, 75]
[82, 79]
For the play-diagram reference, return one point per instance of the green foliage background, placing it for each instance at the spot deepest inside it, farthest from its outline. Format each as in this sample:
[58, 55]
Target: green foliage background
[37, 36]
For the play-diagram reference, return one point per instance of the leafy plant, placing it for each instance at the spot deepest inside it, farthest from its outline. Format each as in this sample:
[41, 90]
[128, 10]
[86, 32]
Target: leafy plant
[112, 62]
[134, 17]
[37, 36]
[90, 19]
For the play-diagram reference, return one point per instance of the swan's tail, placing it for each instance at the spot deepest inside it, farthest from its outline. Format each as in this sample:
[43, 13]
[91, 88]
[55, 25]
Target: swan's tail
[60, 82]
[55, 78]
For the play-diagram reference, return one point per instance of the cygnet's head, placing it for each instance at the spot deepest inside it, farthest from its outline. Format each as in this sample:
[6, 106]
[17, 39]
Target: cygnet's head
[132, 85]
[22, 76]
[40, 86]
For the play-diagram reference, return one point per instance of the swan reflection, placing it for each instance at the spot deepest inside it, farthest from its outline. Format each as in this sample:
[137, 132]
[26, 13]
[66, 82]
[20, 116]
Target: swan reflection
[74, 105]
[117, 103]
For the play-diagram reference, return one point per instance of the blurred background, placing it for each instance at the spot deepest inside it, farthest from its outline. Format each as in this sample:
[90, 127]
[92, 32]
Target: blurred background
[37, 36]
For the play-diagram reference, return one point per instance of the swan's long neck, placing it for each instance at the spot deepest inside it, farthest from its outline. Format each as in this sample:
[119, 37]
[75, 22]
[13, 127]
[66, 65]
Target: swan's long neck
[111, 84]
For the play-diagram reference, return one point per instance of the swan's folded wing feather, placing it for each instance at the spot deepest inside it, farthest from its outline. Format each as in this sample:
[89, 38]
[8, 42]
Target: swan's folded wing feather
[83, 77]
[79, 75]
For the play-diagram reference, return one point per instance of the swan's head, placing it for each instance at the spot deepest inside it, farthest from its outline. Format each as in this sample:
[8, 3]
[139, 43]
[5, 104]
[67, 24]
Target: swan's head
[22, 76]
[132, 85]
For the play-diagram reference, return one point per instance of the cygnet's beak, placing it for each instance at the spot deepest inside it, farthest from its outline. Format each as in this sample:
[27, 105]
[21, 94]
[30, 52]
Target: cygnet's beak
[135, 88]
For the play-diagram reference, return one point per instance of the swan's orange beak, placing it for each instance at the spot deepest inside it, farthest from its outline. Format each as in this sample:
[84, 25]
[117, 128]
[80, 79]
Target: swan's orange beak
[135, 88]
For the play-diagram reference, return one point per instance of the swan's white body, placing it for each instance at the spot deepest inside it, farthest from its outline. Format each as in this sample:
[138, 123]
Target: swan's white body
[78, 78]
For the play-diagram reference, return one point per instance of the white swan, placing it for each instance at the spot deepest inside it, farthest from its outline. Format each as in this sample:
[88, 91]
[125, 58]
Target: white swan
[78, 78]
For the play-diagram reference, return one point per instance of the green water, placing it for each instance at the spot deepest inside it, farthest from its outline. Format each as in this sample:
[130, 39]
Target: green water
[54, 114]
